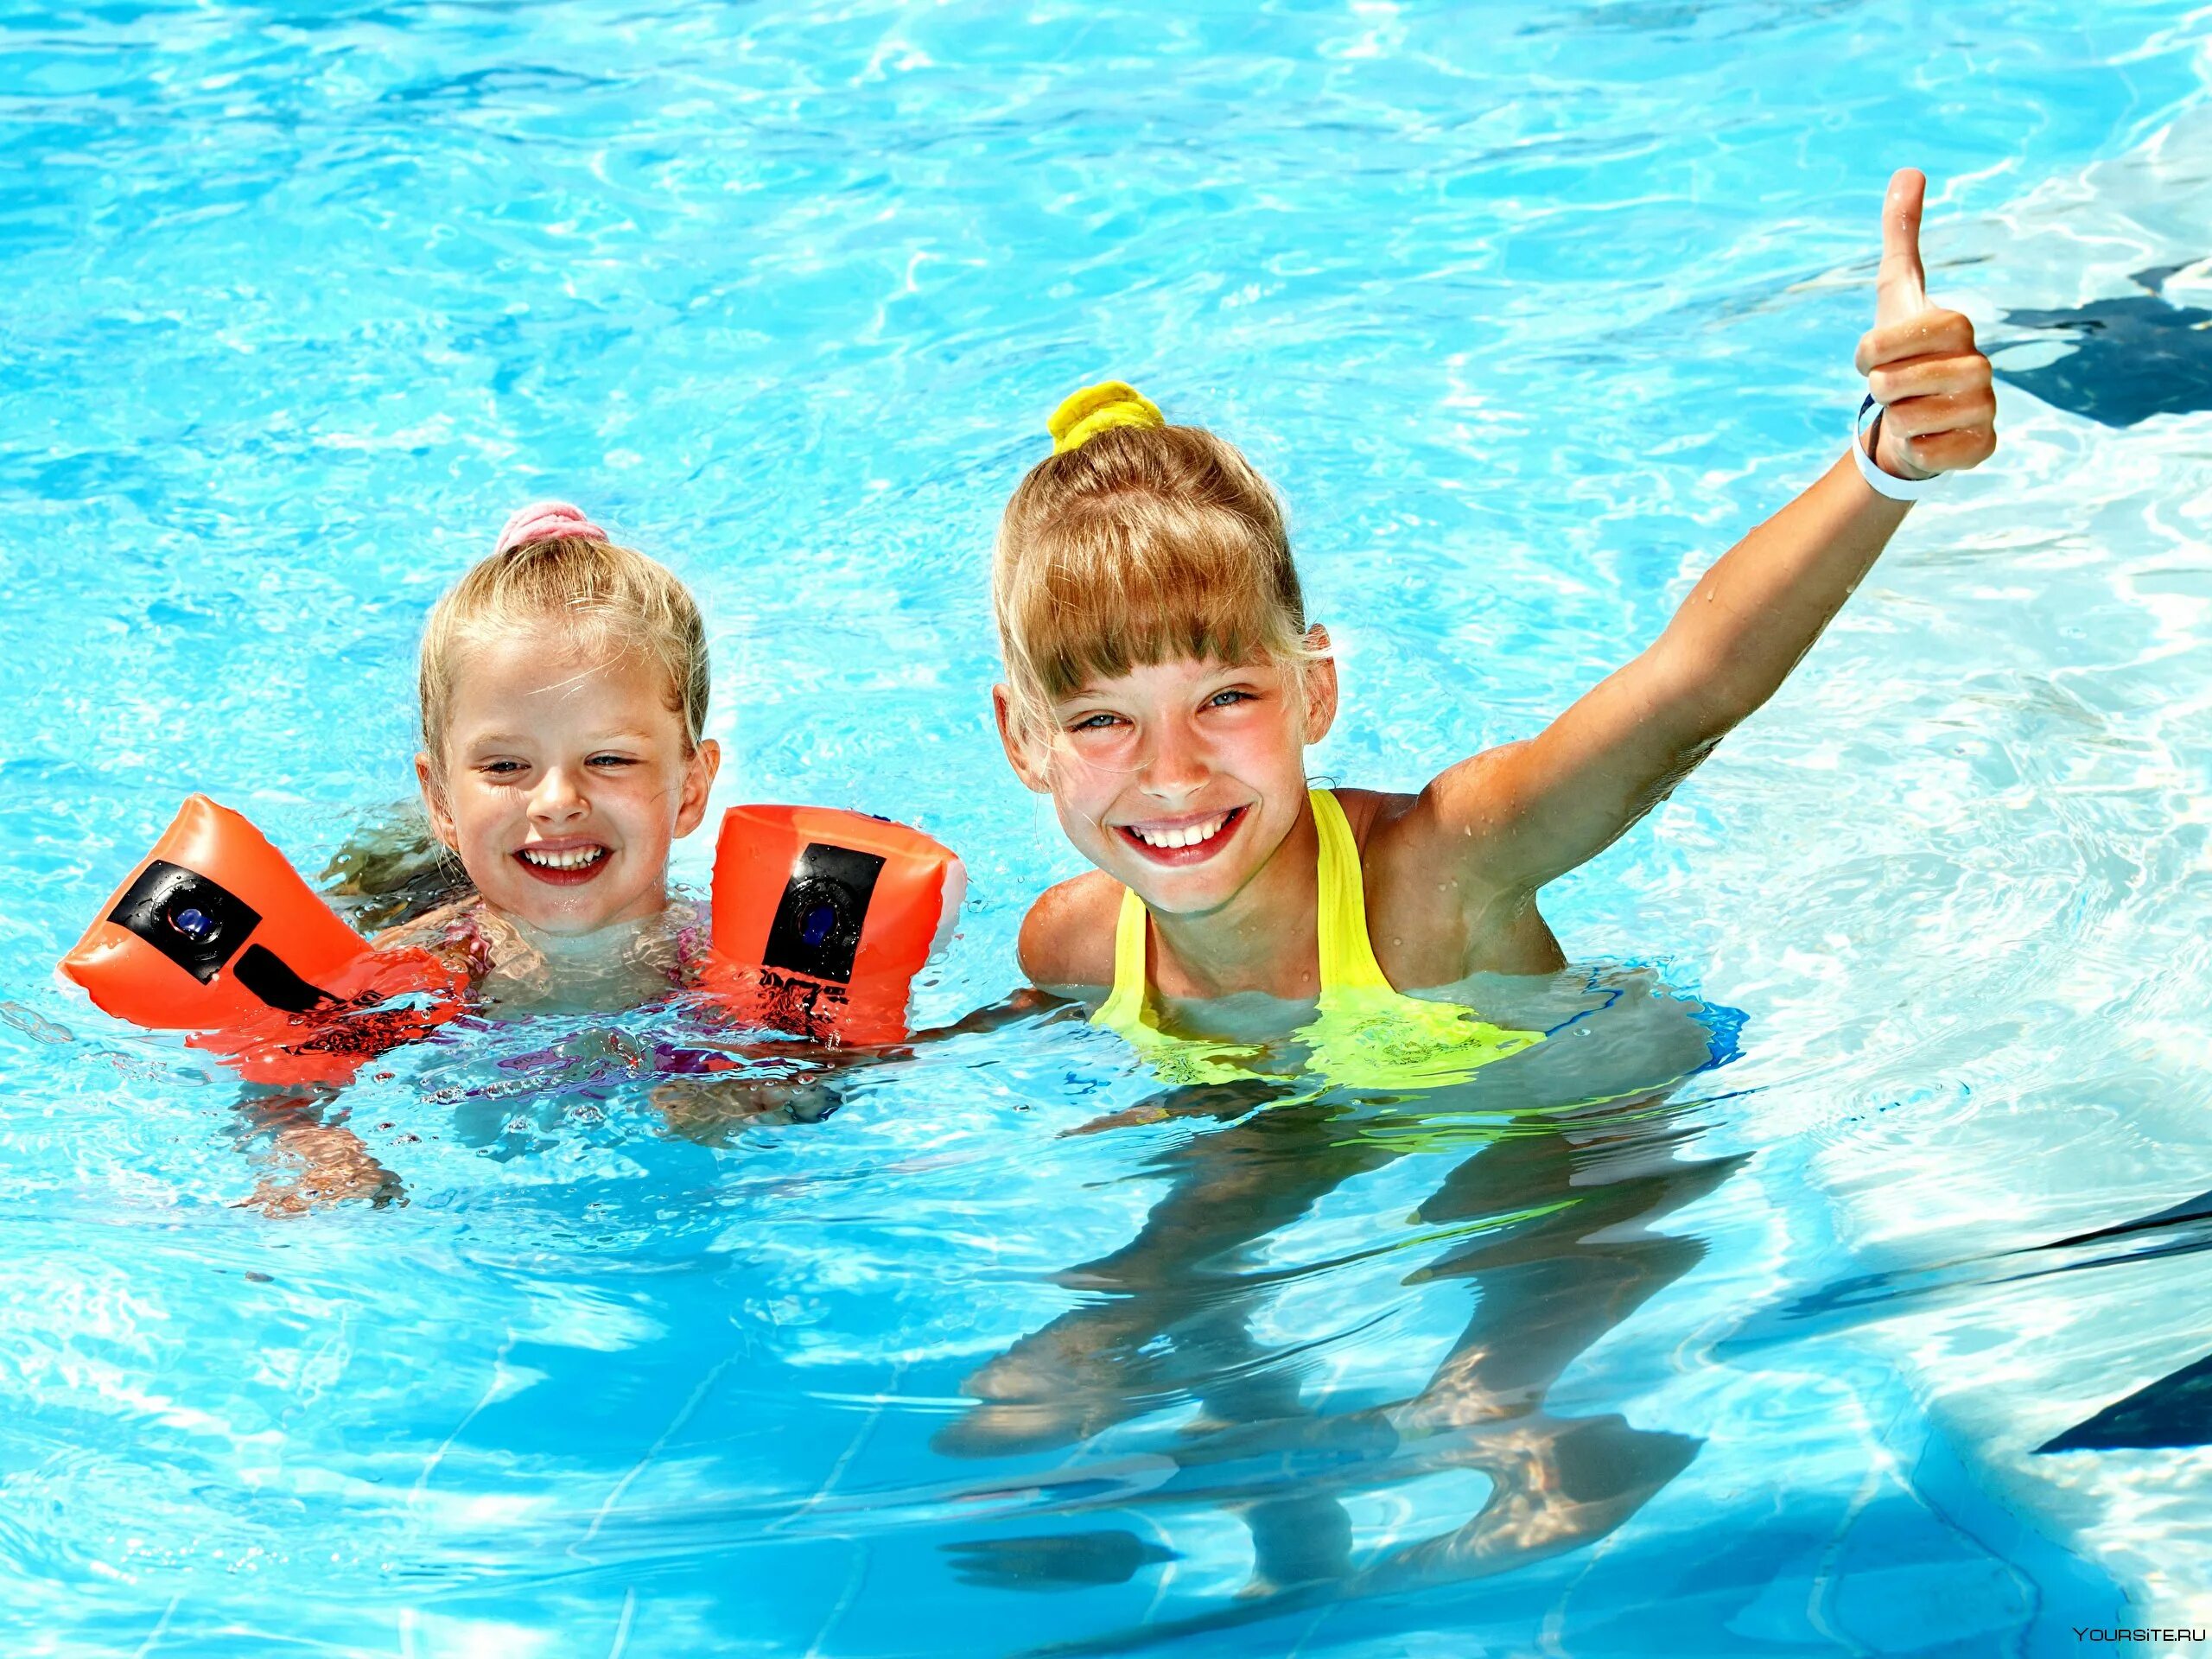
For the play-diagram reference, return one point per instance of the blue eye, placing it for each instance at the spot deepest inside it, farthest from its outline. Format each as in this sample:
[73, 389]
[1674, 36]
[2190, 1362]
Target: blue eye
[1095, 723]
[1224, 699]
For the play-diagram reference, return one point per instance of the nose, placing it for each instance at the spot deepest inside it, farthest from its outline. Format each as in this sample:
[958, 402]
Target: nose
[558, 799]
[1176, 767]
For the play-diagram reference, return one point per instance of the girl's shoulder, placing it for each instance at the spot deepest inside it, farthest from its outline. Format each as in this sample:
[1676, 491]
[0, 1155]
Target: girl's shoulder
[1385, 825]
[1433, 914]
[1412, 840]
[1067, 939]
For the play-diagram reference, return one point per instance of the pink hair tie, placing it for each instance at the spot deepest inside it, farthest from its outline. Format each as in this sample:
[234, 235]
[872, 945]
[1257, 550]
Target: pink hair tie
[542, 520]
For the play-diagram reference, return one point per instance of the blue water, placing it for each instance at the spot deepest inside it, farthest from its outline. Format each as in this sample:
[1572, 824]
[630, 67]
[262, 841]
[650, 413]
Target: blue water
[1530, 310]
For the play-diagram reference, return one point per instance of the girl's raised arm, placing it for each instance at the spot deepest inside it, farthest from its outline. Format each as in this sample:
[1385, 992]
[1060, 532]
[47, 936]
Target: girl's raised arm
[1518, 816]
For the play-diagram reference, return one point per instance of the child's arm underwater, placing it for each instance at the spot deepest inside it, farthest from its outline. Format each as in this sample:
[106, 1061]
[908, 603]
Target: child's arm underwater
[317, 1159]
[1516, 816]
[708, 1105]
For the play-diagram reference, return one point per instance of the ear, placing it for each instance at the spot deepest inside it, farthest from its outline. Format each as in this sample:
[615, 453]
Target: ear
[1021, 756]
[698, 783]
[433, 803]
[1320, 678]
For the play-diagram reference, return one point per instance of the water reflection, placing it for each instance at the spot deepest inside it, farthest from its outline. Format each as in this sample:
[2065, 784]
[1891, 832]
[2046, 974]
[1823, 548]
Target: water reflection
[1549, 1225]
[2183, 1228]
[2176, 1410]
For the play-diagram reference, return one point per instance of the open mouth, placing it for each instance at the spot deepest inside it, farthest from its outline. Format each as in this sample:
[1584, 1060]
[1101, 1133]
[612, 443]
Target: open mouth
[564, 866]
[1190, 843]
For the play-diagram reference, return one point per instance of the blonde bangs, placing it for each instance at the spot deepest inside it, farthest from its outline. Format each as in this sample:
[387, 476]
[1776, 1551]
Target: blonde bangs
[1099, 604]
[1144, 546]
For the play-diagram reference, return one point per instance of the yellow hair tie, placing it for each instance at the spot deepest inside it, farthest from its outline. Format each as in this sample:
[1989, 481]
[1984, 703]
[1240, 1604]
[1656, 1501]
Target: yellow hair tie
[1095, 408]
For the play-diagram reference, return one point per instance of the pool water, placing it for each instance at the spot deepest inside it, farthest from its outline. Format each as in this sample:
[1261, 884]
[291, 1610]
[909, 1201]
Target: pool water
[1829, 1282]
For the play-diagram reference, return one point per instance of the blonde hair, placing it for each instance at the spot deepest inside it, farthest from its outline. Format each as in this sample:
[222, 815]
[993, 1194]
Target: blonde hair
[604, 596]
[1140, 543]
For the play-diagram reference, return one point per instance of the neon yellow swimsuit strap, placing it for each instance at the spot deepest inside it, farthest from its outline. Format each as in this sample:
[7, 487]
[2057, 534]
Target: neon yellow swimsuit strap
[1177, 1060]
[1347, 954]
[1366, 1033]
[1123, 1009]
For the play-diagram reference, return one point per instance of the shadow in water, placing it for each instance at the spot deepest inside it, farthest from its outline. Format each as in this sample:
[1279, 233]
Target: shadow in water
[2176, 1410]
[1548, 1230]
[2134, 358]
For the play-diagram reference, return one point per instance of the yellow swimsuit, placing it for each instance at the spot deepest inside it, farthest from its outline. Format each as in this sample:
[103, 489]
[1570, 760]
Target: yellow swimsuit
[1364, 1034]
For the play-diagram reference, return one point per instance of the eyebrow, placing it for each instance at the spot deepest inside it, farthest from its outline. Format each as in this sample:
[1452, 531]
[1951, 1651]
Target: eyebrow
[517, 740]
[1091, 689]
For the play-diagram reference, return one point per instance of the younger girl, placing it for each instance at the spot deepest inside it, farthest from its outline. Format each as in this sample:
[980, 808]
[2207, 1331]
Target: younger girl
[563, 685]
[1163, 681]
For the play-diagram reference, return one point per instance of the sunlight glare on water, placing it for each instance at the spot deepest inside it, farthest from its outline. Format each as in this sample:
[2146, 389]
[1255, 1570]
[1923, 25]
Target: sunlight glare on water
[1727, 1321]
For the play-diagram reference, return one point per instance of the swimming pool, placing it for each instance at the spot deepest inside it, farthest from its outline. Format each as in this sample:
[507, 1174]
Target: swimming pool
[1531, 311]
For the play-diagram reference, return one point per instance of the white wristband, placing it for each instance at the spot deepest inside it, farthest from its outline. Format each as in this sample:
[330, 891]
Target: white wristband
[1897, 489]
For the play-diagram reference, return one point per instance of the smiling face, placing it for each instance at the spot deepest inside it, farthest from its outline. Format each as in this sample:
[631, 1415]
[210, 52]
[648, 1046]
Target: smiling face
[1180, 779]
[562, 781]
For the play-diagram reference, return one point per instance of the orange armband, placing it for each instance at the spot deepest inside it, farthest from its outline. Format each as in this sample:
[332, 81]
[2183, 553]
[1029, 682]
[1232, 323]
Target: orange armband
[215, 934]
[822, 917]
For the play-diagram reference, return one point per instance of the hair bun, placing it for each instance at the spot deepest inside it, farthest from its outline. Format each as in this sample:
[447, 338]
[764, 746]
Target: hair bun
[1097, 409]
[542, 520]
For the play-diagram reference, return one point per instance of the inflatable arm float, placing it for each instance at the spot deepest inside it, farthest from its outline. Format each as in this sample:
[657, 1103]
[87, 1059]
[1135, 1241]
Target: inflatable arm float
[822, 917]
[215, 934]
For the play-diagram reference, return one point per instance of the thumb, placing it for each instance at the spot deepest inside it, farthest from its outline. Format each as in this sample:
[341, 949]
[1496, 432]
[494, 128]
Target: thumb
[1901, 285]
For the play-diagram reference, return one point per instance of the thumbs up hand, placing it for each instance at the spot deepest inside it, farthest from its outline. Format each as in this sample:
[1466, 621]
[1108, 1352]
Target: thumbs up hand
[1939, 408]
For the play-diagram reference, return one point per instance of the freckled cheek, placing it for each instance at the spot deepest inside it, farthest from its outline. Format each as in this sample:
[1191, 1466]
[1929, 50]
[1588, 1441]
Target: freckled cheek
[1081, 789]
[1262, 760]
[660, 797]
[1080, 812]
[642, 810]
[480, 813]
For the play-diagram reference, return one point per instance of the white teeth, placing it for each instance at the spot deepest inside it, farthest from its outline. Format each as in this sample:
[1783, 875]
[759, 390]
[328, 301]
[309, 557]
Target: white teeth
[573, 859]
[1188, 836]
